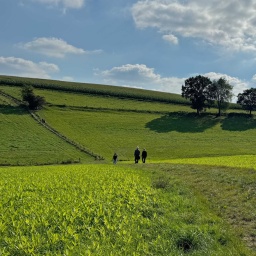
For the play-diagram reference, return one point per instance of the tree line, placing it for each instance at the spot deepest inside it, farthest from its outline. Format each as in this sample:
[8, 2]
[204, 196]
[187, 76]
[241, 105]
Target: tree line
[204, 93]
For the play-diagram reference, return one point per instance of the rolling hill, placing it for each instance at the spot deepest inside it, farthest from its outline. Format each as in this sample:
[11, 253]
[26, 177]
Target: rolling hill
[104, 122]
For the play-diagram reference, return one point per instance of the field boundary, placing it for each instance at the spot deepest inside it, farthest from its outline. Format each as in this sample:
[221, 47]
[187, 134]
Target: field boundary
[78, 146]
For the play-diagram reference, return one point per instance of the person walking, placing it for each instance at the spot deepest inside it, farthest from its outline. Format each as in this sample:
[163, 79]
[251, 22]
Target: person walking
[144, 155]
[136, 155]
[115, 158]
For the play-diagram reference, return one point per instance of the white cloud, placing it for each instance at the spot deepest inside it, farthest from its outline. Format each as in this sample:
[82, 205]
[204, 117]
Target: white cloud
[26, 68]
[52, 47]
[254, 78]
[132, 72]
[75, 4]
[229, 23]
[171, 39]
[141, 76]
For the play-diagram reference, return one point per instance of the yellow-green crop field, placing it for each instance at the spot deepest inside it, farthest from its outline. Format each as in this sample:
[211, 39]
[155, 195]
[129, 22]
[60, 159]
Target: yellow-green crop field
[105, 210]
[241, 161]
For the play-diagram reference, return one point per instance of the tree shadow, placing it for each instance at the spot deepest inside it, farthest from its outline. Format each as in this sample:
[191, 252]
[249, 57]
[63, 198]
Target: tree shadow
[12, 110]
[238, 122]
[183, 122]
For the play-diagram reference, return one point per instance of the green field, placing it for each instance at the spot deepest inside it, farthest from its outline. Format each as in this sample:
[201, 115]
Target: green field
[25, 142]
[168, 131]
[165, 136]
[106, 210]
[194, 196]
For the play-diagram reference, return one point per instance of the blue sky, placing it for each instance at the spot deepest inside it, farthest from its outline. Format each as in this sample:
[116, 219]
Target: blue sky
[149, 44]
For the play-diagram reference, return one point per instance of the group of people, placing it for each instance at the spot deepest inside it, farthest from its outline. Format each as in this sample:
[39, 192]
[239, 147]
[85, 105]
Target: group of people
[144, 155]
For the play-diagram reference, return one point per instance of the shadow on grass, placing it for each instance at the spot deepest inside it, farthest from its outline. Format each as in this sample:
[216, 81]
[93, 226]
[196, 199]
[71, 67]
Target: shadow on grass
[183, 122]
[238, 122]
[12, 110]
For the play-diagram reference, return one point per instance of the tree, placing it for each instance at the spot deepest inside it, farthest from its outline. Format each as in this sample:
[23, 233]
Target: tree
[27, 93]
[34, 101]
[196, 89]
[220, 91]
[247, 99]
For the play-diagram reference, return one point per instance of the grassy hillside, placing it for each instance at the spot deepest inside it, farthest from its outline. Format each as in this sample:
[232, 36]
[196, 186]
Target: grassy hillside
[94, 89]
[166, 136]
[25, 142]
[106, 124]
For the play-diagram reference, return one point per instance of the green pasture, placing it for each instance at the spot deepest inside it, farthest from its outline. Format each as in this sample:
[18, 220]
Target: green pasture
[105, 125]
[107, 210]
[95, 89]
[165, 136]
[85, 101]
[230, 192]
[5, 101]
[26, 142]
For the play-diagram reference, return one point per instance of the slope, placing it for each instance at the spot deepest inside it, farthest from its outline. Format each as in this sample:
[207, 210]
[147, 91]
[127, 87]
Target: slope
[25, 142]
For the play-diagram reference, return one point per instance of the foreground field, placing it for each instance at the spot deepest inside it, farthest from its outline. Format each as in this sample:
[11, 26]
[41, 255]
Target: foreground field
[230, 192]
[107, 210]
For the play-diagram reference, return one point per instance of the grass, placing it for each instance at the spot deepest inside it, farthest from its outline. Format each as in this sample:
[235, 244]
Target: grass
[85, 101]
[106, 210]
[25, 142]
[168, 131]
[229, 192]
[95, 89]
[241, 161]
[194, 204]
[168, 136]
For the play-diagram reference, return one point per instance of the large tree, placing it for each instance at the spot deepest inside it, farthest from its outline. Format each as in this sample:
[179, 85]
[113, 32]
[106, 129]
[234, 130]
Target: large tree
[220, 91]
[247, 99]
[196, 89]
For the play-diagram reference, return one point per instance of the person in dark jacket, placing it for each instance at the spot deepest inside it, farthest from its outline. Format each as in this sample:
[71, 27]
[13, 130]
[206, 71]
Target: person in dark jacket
[115, 158]
[144, 155]
[136, 155]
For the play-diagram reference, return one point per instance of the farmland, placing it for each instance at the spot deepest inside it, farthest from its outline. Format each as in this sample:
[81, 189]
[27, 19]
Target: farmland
[194, 196]
[168, 131]
[105, 210]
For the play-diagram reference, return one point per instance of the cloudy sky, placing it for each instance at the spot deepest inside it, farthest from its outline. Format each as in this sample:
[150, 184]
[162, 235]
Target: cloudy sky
[150, 44]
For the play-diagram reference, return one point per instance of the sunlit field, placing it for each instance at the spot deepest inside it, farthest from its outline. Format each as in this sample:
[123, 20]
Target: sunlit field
[242, 161]
[195, 195]
[106, 210]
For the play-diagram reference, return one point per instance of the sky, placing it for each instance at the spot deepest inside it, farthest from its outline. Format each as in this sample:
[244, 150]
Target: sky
[148, 44]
